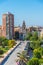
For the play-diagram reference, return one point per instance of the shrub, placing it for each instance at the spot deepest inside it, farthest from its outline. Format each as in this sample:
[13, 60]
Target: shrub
[11, 43]
[36, 53]
[33, 61]
[1, 51]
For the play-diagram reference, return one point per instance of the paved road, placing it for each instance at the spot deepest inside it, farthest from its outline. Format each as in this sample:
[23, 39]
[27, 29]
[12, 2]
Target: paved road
[12, 59]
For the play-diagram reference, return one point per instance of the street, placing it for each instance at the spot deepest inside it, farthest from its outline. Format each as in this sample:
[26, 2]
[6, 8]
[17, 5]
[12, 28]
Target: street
[12, 58]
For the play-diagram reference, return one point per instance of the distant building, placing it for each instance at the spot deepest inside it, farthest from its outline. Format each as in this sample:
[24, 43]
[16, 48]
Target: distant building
[9, 31]
[24, 29]
[16, 32]
[0, 31]
[23, 26]
[20, 32]
[17, 29]
[41, 34]
[8, 25]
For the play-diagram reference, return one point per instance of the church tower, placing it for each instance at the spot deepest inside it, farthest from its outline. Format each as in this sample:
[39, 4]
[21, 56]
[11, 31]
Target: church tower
[23, 26]
[24, 29]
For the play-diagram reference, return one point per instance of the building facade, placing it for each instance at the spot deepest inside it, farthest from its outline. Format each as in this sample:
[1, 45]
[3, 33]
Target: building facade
[8, 25]
[41, 34]
[0, 31]
[21, 31]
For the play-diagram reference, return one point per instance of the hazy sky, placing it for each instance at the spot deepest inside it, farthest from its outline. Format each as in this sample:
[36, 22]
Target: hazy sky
[29, 10]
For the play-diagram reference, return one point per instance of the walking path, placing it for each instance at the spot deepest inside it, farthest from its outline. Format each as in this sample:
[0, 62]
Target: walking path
[12, 58]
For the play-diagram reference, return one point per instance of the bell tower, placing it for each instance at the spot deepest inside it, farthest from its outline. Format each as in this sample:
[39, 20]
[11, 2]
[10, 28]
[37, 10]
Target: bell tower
[23, 26]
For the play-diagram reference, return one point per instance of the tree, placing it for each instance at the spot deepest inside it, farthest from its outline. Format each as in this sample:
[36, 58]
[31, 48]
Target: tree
[5, 43]
[33, 61]
[36, 53]
[2, 41]
[11, 43]
[34, 36]
[1, 51]
[35, 44]
[22, 58]
[28, 36]
[41, 51]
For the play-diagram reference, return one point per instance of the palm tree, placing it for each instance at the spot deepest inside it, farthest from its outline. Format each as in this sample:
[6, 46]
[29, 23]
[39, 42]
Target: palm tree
[22, 58]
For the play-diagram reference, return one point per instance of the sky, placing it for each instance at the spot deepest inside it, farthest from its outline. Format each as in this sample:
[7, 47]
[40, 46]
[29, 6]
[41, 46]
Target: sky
[29, 10]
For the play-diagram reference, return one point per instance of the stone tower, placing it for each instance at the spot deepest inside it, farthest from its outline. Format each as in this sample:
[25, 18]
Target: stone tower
[23, 26]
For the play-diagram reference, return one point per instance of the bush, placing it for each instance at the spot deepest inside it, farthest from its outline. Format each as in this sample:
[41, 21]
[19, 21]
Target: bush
[36, 53]
[28, 36]
[5, 43]
[41, 61]
[33, 61]
[1, 51]
[11, 43]
[35, 44]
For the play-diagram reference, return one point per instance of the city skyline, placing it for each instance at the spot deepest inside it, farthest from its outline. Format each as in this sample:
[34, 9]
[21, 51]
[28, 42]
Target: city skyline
[29, 10]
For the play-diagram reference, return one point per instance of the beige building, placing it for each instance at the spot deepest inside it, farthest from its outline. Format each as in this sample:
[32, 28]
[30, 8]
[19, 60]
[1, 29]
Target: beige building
[17, 29]
[41, 34]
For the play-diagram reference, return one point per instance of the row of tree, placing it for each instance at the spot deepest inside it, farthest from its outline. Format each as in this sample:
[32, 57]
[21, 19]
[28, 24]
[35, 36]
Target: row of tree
[6, 44]
[32, 36]
[37, 49]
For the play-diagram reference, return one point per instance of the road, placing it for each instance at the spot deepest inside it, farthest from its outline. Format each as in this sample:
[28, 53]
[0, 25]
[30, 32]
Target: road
[12, 58]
